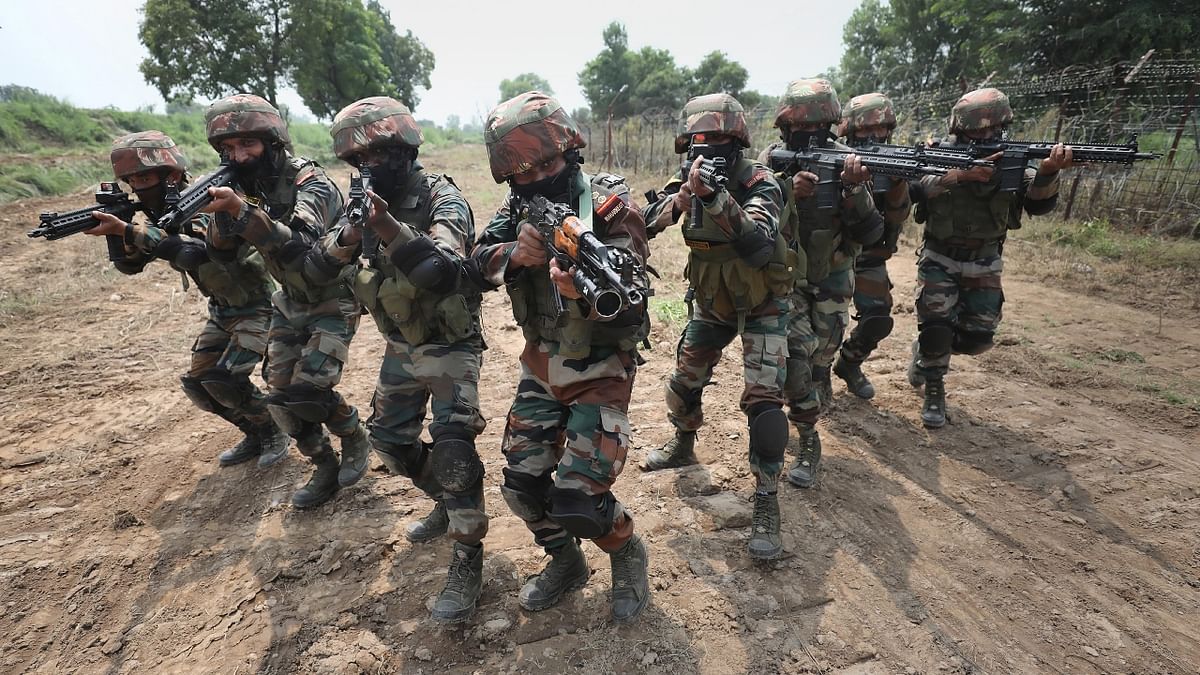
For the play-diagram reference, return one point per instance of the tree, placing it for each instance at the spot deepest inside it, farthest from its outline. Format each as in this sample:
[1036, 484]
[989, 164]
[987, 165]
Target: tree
[408, 60]
[523, 83]
[603, 76]
[716, 74]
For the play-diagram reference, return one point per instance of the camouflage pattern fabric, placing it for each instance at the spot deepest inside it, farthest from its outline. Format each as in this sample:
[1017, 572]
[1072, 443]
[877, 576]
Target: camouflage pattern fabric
[145, 151]
[964, 295]
[373, 122]
[804, 404]
[764, 357]
[980, 109]
[830, 314]
[244, 115]
[711, 113]
[867, 110]
[808, 101]
[872, 296]
[235, 339]
[570, 420]
[526, 130]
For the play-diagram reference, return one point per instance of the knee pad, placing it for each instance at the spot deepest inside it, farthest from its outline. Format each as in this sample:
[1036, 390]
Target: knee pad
[799, 378]
[229, 391]
[873, 328]
[935, 340]
[768, 431]
[285, 420]
[582, 515]
[403, 460]
[972, 342]
[525, 494]
[199, 395]
[456, 464]
[309, 403]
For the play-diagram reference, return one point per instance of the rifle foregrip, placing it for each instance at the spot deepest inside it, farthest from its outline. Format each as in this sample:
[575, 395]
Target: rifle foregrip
[116, 247]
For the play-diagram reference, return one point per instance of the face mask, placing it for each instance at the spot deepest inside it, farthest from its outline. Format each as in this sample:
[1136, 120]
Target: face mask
[729, 151]
[154, 198]
[556, 188]
[260, 170]
[799, 140]
[388, 177]
[856, 142]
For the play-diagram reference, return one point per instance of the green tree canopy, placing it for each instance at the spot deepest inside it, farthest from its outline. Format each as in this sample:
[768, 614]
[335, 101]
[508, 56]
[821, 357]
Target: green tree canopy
[523, 83]
[603, 76]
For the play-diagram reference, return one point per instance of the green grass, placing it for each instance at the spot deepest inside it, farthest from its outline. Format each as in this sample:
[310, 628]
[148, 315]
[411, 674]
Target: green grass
[1120, 356]
[1101, 239]
[670, 311]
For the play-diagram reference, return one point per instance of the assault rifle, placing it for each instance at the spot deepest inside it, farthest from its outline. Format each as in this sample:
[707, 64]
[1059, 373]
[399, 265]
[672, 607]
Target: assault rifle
[827, 163]
[110, 199]
[604, 275]
[183, 206]
[946, 158]
[1018, 153]
[358, 210]
[713, 173]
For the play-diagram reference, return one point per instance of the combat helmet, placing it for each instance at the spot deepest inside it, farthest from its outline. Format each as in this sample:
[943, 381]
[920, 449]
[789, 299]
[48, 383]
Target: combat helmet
[711, 113]
[867, 110]
[145, 151]
[373, 122]
[980, 109]
[809, 101]
[245, 115]
[526, 130]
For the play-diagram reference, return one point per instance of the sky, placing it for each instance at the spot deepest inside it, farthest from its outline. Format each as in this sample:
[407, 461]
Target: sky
[88, 52]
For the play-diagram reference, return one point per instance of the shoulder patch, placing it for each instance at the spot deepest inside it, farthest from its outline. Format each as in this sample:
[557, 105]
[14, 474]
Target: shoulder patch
[608, 207]
[760, 174]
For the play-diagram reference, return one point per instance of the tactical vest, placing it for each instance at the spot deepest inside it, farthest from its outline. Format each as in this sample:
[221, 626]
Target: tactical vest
[533, 300]
[395, 303]
[279, 204]
[817, 232]
[972, 211]
[239, 283]
[720, 277]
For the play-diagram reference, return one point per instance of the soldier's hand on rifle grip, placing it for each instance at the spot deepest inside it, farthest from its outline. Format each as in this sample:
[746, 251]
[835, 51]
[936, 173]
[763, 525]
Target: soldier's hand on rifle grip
[530, 250]
[224, 200]
[564, 281]
[695, 185]
[976, 174]
[682, 201]
[804, 184]
[1060, 158]
[853, 171]
[384, 223]
[109, 224]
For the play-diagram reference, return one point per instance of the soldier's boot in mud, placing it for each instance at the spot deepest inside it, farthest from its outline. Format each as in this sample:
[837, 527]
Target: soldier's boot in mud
[356, 457]
[823, 383]
[856, 381]
[274, 445]
[464, 580]
[803, 472]
[933, 411]
[566, 571]
[323, 484]
[630, 585]
[432, 526]
[247, 449]
[765, 541]
[677, 452]
[915, 378]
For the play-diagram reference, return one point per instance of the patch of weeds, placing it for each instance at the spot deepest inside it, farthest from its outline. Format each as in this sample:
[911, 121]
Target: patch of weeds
[1120, 356]
[670, 311]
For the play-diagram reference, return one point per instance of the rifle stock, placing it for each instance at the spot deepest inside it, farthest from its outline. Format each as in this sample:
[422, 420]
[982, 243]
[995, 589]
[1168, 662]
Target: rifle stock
[110, 199]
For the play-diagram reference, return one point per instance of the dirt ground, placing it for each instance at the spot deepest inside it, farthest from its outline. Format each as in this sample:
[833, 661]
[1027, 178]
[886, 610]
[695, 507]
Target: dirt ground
[1050, 527]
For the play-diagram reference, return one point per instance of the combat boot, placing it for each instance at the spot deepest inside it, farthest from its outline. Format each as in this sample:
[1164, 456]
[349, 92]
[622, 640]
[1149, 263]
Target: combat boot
[933, 411]
[677, 452]
[630, 586]
[824, 386]
[247, 449]
[430, 527]
[915, 378]
[274, 445]
[464, 580]
[765, 540]
[856, 380]
[566, 571]
[323, 483]
[356, 457]
[803, 473]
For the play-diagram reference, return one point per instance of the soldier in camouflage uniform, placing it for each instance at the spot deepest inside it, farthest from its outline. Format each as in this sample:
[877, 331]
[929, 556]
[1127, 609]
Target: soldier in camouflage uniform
[234, 338]
[740, 272]
[282, 206]
[967, 218]
[567, 436]
[423, 291]
[870, 119]
[830, 238]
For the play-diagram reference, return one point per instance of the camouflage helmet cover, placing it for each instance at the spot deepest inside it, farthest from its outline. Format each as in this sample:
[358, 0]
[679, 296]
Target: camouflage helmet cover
[526, 130]
[980, 109]
[711, 113]
[867, 110]
[811, 101]
[374, 122]
[145, 151]
[244, 115]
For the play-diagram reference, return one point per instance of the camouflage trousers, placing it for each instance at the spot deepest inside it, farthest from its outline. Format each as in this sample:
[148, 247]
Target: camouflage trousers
[819, 315]
[872, 297]
[234, 339]
[964, 295]
[568, 430]
[445, 380]
[307, 347]
[764, 356]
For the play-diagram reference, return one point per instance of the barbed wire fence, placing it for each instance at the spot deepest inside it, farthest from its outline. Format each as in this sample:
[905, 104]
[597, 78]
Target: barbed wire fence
[1154, 98]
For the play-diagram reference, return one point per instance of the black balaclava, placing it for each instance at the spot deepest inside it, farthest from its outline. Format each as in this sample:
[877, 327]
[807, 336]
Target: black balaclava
[389, 177]
[259, 176]
[801, 140]
[556, 188]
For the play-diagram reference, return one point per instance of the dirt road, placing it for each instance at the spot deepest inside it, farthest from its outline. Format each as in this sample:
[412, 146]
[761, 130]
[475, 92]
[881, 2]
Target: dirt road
[1050, 527]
